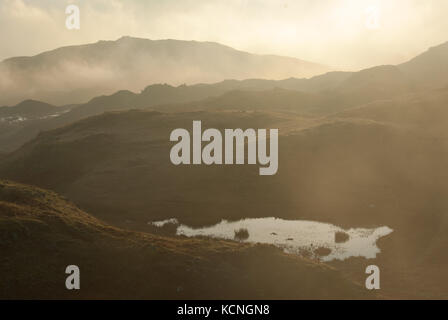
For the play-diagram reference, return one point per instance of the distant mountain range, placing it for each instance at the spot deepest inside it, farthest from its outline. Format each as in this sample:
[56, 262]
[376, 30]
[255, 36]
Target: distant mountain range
[75, 74]
[323, 94]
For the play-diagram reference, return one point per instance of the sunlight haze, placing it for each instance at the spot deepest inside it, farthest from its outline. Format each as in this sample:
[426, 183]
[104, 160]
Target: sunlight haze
[343, 34]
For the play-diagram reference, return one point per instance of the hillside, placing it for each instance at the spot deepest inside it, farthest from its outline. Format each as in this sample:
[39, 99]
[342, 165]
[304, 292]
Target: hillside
[429, 69]
[78, 73]
[21, 122]
[126, 147]
[425, 111]
[42, 233]
[345, 169]
[318, 158]
[338, 91]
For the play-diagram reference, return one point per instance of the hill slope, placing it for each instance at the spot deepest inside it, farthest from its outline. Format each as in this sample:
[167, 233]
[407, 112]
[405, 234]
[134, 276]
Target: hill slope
[317, 96]
[21, 122]
[360, 168]
[430, 69]
[42, 233]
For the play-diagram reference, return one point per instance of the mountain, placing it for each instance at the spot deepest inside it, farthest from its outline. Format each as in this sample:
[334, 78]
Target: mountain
[338, 90]
[378, 83]
[319, 95]
[42, 233]
[75, 74]
[429, 69]
[28, 109]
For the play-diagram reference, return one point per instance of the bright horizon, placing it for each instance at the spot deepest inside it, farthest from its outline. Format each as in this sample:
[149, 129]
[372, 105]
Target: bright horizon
[344, 34]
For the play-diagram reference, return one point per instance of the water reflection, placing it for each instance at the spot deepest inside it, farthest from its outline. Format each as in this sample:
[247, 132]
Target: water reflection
[319, 240]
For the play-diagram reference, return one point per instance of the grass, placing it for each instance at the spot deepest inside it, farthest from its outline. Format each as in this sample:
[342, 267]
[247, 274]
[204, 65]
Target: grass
[41, 233]
[341, 237]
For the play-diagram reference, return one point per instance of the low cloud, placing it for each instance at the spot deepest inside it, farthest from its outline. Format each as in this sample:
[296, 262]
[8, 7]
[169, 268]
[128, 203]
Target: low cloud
[327, 32]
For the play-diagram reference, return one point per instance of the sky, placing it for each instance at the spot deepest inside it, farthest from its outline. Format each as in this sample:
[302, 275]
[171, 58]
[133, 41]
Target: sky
[344, 34]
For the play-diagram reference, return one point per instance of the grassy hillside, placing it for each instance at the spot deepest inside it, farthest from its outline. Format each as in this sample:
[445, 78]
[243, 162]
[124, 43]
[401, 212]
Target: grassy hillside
[350, 169]
[86, 160]
[41, 233]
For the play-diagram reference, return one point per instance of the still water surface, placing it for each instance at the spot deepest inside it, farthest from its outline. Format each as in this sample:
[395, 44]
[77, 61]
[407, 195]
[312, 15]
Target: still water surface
[295, 236]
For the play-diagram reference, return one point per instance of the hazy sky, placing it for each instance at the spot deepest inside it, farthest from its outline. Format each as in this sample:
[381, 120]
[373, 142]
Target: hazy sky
[340, 33]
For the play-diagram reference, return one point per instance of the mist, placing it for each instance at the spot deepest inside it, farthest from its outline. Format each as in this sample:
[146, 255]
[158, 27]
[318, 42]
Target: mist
[335, 33]
[76, 74]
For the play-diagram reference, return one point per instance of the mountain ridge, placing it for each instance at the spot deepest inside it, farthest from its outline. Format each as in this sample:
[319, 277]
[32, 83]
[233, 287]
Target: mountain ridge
[74, 74]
